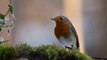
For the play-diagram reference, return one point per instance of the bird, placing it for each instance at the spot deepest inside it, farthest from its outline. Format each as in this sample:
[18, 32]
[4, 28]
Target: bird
[66, 33]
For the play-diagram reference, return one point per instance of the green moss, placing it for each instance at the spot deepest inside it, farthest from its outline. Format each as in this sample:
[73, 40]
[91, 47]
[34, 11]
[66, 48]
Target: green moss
[6, 52]
[57, 53]
[23, 50]
[49, 52]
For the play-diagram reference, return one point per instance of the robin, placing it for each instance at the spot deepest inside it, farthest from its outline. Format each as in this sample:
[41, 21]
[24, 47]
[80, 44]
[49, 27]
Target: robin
[66, 33]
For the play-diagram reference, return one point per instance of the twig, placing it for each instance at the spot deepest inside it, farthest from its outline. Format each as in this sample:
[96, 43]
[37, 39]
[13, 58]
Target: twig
[8, 10]
[6, 13]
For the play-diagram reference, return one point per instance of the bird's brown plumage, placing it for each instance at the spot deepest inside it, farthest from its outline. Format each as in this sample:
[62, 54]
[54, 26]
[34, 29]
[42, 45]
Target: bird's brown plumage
[64, 31]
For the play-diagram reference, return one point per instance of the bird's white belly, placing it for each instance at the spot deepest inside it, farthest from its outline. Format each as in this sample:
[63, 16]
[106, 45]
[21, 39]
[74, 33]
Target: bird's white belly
[67, 41]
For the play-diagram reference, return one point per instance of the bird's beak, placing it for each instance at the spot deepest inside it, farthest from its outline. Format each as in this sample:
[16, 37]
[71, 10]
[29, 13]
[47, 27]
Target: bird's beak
[52, 19]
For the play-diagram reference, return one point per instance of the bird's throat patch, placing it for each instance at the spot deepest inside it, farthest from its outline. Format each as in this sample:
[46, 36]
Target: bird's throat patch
[62, 30]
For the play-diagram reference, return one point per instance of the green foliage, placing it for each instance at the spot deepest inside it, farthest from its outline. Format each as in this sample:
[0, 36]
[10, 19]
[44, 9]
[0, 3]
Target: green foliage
[10, 8]
[1, 16]
[2, 20]
[6, 52]
[2, 27]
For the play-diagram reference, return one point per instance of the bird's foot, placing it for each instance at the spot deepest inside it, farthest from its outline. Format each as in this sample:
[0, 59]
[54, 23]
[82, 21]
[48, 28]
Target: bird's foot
[68, 47]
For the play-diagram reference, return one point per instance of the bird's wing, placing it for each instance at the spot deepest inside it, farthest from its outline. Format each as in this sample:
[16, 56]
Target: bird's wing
[75, 34]
[73, 30]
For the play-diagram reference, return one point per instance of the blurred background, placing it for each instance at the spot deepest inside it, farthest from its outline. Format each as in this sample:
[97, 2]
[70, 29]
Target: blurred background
[34, 27]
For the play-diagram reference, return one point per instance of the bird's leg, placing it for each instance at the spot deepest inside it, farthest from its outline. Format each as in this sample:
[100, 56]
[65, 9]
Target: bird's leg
[74, 47]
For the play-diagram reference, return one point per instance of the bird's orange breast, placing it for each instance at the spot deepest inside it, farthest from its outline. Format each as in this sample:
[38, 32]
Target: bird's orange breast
[62, 30]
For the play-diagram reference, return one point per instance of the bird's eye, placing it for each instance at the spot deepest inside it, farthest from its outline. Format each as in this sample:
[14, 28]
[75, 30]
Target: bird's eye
[61, 18]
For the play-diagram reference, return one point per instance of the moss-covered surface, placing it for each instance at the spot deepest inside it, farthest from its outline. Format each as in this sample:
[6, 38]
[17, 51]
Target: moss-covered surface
[6, 52]
[48, 52]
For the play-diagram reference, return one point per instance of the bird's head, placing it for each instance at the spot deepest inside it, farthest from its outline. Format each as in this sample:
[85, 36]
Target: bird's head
[61, 20]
